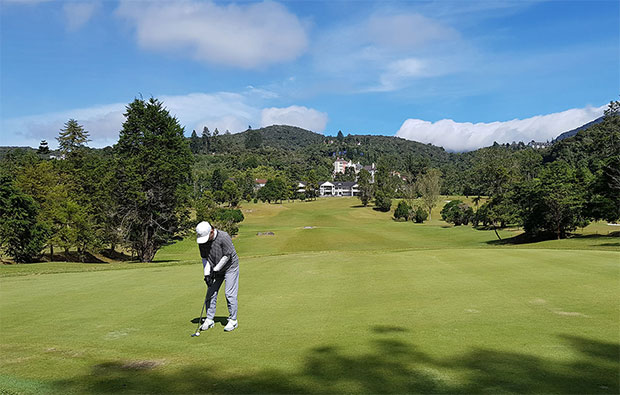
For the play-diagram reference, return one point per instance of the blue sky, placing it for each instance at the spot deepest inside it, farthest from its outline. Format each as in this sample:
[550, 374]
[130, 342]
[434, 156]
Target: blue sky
[459, 74]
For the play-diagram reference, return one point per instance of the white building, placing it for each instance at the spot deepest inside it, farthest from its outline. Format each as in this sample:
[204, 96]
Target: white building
[340, 165]
[339, 188]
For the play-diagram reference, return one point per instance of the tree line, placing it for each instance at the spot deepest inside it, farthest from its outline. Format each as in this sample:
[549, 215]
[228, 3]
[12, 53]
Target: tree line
[149, 188]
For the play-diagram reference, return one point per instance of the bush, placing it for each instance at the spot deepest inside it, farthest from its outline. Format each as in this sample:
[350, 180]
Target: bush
[226, 219]
[402, 211]
[382, 201]
[419, 215]
[457, 213]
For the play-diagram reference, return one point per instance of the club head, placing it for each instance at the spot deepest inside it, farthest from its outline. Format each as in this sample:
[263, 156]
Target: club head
[196, 334]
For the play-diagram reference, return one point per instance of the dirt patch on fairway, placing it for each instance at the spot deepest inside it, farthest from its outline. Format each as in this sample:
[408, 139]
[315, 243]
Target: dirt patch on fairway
[118, 334]
[265, 234]
[473, 311]
[538, 301]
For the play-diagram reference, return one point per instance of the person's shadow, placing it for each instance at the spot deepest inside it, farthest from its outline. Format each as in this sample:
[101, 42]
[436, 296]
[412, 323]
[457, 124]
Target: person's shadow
[218, 319]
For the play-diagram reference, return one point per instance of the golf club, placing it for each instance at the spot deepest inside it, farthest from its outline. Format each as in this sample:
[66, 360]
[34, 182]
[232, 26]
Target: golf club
[204, 303]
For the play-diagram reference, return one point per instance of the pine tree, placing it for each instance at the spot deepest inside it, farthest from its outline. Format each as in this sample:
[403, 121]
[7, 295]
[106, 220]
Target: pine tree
[206, 140]
[195, 144]
[44, 149]
[153, 174]
[72, 138]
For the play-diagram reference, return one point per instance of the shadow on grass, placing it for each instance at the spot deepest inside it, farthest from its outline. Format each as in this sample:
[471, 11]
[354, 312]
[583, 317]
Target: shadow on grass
[524, 239]
[220, 320]
[391, 366]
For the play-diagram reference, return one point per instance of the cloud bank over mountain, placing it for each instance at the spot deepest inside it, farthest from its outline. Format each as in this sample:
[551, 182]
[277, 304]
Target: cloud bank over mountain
[467, 136]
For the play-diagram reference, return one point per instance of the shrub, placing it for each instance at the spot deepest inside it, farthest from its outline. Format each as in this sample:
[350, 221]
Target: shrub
[226, 219]
[457, 212]
[419, 215]
[382, 201]
[402, 211]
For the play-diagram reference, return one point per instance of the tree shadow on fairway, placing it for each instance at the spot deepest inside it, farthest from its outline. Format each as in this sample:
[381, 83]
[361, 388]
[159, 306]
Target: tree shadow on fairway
[524, 239]
[390, 366]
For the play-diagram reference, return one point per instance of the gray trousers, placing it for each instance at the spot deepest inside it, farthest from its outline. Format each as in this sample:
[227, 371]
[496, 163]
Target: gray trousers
[231, 289]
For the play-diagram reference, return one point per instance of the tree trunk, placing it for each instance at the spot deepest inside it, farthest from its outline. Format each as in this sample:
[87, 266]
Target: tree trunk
[51, 253]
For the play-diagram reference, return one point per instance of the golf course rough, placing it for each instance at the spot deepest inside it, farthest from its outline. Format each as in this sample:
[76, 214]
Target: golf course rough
[340, 299]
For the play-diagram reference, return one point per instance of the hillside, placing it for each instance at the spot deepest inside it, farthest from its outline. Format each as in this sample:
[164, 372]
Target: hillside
[277, 136]
[362, 147]
[573, 132]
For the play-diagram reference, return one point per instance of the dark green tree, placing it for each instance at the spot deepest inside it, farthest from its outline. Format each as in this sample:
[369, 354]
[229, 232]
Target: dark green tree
[218, 177]
[153, 175]
[312, 187]
[552, 204]
[206, 140]
[195, 143]
[457, 212]
[233, 194]
[22, 237]
[402, 211]
[44, 149]
[226, 219]
[365, 187]
[383, 202]
[253, 139]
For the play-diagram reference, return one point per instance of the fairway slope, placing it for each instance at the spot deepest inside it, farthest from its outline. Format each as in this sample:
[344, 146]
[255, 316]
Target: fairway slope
[357, 303]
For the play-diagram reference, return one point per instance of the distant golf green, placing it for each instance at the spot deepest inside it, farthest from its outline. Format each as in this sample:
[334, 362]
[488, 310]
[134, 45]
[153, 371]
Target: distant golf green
[339, 299]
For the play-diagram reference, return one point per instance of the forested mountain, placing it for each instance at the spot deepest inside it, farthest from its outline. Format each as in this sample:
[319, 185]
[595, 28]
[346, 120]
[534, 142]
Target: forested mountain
[573, 132]
[275, 136]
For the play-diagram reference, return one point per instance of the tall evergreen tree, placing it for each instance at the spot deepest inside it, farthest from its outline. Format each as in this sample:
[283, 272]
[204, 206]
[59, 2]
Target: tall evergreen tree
[206, 140]
[153, 175]
[365, 187]
[72, 138]
[44, 149]
[195, 144]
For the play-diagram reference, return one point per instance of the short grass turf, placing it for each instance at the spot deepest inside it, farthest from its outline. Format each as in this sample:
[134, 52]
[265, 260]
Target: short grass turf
[356, 303]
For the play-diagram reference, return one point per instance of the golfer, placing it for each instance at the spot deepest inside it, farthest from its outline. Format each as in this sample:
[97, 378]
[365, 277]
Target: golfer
[220, 263]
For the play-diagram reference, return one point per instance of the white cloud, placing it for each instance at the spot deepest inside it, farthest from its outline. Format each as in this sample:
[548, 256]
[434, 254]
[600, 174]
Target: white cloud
[78, 14]
[245, 36]
[299, 116]
[387, 51]
[222, 110]
[102, 122]
[406, 31]
[466, 136]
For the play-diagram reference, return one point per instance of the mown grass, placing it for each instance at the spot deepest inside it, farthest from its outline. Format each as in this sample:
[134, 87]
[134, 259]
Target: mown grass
[357, 303]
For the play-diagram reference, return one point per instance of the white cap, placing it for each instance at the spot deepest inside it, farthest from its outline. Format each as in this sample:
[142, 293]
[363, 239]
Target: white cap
[203, 230]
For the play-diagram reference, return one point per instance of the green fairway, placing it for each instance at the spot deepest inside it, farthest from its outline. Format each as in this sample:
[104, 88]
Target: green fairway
[340, 299]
